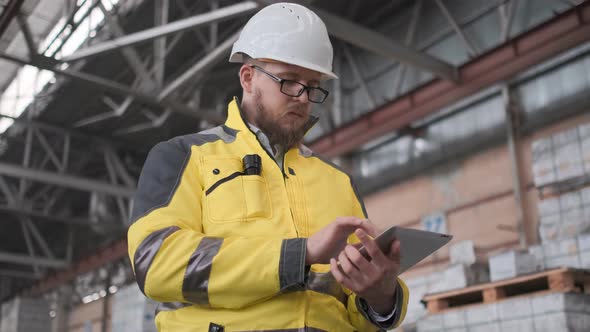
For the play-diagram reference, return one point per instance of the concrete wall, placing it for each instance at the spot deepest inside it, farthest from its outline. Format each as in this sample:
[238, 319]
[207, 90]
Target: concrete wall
[477, 195]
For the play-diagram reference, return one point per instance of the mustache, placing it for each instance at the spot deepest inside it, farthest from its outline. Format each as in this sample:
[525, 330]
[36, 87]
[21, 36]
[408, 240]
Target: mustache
[297, 108]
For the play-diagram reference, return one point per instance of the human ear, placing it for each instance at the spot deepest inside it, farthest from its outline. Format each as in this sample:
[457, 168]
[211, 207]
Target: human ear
[246, 74]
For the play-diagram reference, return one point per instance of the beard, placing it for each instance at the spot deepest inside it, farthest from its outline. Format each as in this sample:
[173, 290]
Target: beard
[285, 138]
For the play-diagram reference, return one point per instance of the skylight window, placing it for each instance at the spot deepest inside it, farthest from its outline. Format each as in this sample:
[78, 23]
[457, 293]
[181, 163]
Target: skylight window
[29, 80]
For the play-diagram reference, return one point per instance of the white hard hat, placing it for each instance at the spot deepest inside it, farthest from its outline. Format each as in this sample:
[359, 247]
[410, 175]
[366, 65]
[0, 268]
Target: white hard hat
[288, 33]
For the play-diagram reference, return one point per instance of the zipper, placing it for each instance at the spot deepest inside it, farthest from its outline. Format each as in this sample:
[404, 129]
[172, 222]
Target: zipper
[282, 169]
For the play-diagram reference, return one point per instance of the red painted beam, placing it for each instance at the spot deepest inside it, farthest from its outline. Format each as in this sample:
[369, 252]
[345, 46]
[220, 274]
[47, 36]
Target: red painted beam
[102, 257]
[561, 33]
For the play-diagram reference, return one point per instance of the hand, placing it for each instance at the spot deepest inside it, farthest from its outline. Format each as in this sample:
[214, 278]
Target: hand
[331, 240]
[374, 279]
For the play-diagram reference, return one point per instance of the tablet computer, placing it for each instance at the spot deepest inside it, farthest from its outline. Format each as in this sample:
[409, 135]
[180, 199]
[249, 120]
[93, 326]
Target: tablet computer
[415, 244]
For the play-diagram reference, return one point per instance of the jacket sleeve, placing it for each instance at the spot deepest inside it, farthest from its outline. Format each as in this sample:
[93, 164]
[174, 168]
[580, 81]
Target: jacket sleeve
[174, 261]
[357, 308]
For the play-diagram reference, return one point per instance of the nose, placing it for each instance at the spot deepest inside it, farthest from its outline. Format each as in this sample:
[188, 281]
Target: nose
[303, 98]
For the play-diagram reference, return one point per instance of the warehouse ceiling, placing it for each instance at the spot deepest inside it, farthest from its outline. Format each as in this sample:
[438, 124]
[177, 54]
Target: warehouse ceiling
[76, 133]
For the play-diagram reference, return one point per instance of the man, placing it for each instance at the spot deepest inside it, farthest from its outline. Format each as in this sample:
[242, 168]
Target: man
[243, 228]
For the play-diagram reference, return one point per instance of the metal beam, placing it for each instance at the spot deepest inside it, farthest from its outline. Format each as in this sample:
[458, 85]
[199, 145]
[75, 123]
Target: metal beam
[107, 85]
[130, 54]
[20, 211]
[161, 18]
[378, 43]
[69, 181]
[38, 237]
[26, 30]
[10, 10]
[30, 248]
[470, 46]
[410, 33]
[18, 274]
[206, 63]
[358, 76]
[13, 258]
[565, 31]
[225, 13]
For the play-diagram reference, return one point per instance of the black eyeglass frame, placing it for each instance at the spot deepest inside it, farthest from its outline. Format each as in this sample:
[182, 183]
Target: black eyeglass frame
[303, 86]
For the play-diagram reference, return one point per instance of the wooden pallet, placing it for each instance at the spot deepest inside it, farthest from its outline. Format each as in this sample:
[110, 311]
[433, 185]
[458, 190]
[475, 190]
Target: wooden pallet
[549, 281]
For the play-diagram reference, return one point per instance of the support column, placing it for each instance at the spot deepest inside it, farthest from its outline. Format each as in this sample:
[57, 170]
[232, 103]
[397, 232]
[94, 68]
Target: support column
[524, 222]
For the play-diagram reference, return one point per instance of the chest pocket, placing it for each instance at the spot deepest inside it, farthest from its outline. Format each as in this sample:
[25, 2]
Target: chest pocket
[231, 196]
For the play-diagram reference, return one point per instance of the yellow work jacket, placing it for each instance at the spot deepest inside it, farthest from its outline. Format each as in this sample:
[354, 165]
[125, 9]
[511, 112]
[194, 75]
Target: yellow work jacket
[225, 251]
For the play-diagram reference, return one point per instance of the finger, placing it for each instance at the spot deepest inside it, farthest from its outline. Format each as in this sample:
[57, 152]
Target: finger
[373, 231]
[340, 276]
[337, 272]
[357, 258]
[395, 251]
[369, 228]
[377, 256]
[349, 269]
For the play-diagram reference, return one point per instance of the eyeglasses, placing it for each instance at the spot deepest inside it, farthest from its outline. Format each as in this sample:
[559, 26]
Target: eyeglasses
[295, 89]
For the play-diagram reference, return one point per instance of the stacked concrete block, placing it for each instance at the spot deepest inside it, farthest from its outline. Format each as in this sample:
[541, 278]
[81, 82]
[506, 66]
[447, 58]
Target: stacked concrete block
[456, 276]
[513, 263]
[568, 157]
[558, 253]
[584, 131]
[463, 252]
[584, 250]
[25, 315]
[561, 158]
[568, 312]
[564, 216]
[132, 311]
[544, 169]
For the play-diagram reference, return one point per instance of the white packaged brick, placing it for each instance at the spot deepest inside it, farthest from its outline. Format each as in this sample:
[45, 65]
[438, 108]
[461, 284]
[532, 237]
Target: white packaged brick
[572, 261]
[549, 232]
[572, 227]
[454, 319]
[463, 253]
[457, 329]
[583, 242]
[548, 207]
[565, 137]
[559, 248]
[561, 321]
[558, 302]
[550, 220]
[459, 276]
[511, 264]
[578, 322]
[481, 314]
[432, 322]
[526, 324]
[585, 145]
[516, 308]
[571, 200]
[568, 161]
[492, 327]
[585, 260]
[544, 170]
[537, 251]
[585, 193]
[584, 130]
